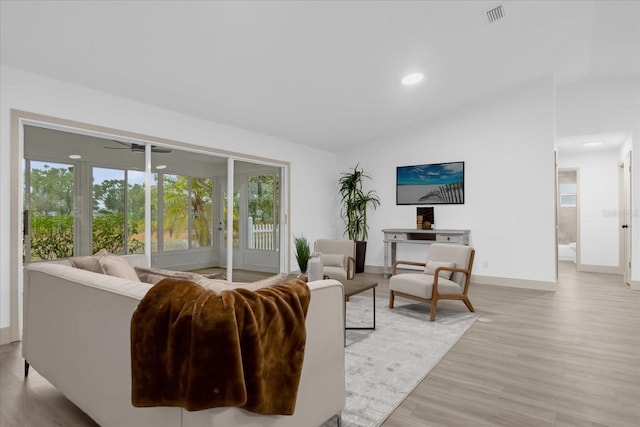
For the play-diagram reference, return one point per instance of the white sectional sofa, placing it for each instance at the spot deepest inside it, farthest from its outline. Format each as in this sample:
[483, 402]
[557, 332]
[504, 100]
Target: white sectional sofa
[77, 335]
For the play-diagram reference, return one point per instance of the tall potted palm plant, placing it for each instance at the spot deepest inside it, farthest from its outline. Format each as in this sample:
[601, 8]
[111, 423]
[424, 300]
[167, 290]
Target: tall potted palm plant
[354, 210]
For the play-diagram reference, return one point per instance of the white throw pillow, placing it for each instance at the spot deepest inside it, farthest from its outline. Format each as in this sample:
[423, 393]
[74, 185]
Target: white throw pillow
[89, 262]
[116, 266]
[431, 266]
[332, 260]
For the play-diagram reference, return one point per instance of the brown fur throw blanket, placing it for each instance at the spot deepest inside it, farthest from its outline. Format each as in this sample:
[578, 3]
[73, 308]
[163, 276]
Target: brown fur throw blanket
[197, 350]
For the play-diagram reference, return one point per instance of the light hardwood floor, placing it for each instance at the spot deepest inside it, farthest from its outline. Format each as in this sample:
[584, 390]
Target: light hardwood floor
[565, 358]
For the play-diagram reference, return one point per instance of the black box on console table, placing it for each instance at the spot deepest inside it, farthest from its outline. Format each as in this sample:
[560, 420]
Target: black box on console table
[424, 218]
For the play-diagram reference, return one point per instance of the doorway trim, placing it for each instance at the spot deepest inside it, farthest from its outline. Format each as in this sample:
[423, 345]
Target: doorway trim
[625, 186]
[20, 118]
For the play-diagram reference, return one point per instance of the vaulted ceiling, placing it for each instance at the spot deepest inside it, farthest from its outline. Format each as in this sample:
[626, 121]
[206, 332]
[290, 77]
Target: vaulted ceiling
[322, 74]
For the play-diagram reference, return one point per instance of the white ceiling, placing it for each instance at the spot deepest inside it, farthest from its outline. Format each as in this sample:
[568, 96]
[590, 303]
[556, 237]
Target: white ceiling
[323, 74]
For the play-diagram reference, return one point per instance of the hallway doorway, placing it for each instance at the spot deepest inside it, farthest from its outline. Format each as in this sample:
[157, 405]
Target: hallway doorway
[589, 191]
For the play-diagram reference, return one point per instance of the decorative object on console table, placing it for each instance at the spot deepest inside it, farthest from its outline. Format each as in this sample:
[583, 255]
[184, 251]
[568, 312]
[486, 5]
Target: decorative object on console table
[426, 218]
[354, 210]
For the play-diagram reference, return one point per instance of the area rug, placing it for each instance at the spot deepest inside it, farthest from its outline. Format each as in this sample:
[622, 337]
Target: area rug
[384, 365]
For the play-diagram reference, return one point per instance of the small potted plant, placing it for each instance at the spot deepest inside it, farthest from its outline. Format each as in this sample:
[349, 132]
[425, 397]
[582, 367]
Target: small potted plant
[303, 253]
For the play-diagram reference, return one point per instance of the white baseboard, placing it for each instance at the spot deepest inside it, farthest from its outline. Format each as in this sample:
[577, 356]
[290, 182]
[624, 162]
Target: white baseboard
[373, 269]
[635, 285]
[5, 335]
[591, 268]
[514, 283]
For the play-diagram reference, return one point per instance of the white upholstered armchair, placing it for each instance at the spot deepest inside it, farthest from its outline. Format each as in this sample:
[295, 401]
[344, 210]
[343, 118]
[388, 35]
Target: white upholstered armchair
[447, 273]
[338, 258]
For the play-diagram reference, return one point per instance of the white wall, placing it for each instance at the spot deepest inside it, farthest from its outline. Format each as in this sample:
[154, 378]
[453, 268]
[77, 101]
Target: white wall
[599, 222]
[602, 105]
[507, 144]
[313, 172]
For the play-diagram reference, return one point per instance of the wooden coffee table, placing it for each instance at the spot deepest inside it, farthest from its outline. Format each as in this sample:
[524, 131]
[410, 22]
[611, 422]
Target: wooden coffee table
[354, 287]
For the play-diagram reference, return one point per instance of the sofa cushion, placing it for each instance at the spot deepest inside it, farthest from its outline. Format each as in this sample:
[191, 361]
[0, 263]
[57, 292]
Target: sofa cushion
[263, 283]
[431, 266]
[218, 286]
[89, 262]
[153, 275]
[113, 265]
[332, 260]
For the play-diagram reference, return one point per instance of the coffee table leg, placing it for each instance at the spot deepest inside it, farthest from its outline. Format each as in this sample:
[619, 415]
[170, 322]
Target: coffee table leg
[359, 327]
[374, 307]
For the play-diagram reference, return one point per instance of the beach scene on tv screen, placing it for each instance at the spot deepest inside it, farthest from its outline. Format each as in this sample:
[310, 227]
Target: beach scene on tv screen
[441, 183]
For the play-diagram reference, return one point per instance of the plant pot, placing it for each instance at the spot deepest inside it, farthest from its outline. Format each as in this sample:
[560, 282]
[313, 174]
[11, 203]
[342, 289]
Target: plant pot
[361, 253]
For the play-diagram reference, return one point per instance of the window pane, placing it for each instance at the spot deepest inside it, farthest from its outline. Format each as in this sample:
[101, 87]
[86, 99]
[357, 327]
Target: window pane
[108, 210]
[236, 220]
[568, 200]
[201, 212]
[50, 206]
[154, 212]
[175, 192]
[135, 210]
[262, 208]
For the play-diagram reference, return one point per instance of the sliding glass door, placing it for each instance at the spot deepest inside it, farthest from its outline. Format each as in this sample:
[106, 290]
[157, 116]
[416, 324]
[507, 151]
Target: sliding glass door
[256, 217]
[86, 193]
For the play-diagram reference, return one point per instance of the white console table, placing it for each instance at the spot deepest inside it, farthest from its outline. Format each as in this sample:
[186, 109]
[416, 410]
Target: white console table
[393, 236]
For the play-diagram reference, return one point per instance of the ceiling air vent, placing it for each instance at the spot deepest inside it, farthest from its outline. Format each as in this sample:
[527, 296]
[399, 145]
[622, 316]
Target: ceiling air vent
[495, 14]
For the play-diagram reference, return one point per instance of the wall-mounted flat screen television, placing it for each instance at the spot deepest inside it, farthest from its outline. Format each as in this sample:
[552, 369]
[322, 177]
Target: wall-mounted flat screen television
[432, 184]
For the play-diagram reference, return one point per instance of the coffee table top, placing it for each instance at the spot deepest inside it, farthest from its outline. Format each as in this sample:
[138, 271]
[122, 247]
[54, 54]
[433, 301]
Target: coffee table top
[355, 286]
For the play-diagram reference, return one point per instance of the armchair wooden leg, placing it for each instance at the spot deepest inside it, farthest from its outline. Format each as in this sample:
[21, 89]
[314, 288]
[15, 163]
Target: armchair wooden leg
[391, 299]
[434, 305]
[468, 304]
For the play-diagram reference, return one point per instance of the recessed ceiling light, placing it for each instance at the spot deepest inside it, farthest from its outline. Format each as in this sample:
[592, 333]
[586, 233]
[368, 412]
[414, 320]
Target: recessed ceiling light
[592, 144]
[75, 156]
[161, 167]
[412, 79]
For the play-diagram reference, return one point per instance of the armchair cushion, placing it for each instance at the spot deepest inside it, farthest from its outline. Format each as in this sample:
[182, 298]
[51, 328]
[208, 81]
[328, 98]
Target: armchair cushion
[431, 267]
[421, 285]
[337, 273]
[332, 260]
